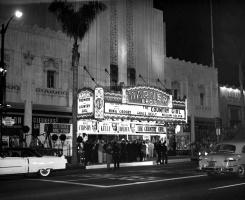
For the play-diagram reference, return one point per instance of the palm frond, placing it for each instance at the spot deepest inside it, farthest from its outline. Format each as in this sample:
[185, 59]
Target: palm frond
[65, 14]
[87, 14]
[76, 24]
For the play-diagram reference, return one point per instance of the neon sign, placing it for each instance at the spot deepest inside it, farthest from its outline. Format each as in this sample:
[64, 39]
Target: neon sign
[146, 96]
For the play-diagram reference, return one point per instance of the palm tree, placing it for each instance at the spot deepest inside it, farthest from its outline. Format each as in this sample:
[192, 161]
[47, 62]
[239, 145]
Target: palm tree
[75, 24]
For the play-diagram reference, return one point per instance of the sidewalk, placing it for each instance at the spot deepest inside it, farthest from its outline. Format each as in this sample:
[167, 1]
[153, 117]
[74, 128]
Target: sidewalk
[149, 161]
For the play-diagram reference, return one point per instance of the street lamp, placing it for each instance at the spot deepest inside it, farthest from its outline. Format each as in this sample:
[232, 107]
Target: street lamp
[3, 72]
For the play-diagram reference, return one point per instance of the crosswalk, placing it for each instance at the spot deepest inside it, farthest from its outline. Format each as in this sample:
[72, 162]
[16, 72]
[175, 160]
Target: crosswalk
[111, 180]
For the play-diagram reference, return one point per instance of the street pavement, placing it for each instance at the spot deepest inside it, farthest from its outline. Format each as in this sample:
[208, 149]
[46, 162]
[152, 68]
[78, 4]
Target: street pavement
[174, 181]
[148, 162]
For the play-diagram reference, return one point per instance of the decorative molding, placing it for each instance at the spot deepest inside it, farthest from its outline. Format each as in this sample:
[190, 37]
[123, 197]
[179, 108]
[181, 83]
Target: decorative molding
[130, 33]
[201, 88]
[176, 85]
[113, 97]
[13, 87]
[28, 57]
[51, 91]
[113, 33]
[51, 64]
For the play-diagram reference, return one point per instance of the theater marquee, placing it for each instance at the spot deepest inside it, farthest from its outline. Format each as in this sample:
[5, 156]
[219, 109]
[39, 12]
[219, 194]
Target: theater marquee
[146, 96]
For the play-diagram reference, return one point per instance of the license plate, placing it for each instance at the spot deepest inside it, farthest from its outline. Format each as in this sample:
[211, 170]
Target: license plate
[211, 164]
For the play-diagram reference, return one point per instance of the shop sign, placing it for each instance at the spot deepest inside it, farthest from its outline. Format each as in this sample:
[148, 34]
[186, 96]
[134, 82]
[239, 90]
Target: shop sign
[108, 127]
[62, 128]
[8, 121]
[146, 96]
[37, 120]
[148, 111]
[150, 129]
[15, 121]
[86, 126]
[99, 103]
[85, 103]
[124, 128]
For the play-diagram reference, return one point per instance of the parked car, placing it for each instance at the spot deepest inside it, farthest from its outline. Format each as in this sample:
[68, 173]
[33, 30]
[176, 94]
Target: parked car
[226, 157]
[27, 160]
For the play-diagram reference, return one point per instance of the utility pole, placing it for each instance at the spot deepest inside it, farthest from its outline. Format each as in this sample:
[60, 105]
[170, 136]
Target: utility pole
[212, 34]
[241, 91]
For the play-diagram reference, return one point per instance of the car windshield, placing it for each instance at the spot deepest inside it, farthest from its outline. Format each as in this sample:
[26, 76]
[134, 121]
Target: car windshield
[229, 148]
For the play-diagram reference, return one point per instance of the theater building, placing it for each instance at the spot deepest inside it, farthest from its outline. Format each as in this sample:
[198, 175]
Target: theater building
[124, 53]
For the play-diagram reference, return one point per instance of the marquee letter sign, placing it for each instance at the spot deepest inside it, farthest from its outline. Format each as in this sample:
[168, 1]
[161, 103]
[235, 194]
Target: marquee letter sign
[99, 103]
[85, 103]
[146, 96]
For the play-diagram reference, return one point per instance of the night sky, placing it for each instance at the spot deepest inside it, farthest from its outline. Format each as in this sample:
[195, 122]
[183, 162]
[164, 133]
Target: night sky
[188, 34]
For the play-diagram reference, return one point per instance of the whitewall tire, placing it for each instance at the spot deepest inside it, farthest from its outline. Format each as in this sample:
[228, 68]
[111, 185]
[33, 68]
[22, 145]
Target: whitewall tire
[44, 172]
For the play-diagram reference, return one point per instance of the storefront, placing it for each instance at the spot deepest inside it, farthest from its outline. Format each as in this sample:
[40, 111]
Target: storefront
[12, 133]
[136, 113]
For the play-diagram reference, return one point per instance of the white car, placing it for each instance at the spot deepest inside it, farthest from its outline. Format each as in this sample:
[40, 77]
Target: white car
[27, 160]
[226, 157]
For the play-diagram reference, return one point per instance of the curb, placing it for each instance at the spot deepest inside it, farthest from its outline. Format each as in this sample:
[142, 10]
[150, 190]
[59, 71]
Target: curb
[134, 164]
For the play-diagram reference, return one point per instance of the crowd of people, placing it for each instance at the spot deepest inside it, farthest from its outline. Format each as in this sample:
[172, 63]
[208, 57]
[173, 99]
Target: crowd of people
[116, 151]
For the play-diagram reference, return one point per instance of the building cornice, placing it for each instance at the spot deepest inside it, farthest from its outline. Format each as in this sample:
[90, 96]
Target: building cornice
[183, 62]
[36, 30]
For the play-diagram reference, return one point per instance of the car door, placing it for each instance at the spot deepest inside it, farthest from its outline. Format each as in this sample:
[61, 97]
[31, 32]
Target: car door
[13, 165]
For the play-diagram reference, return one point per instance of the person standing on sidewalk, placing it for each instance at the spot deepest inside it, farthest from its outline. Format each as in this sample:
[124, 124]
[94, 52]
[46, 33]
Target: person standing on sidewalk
[108, 150]
[100, 152]
[116, 155]
[164, 153]
[151, 148]
[159, 152]
[143, 151]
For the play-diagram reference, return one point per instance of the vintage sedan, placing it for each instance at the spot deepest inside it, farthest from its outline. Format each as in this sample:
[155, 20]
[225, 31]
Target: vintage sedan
[27, 160]
[227, 157]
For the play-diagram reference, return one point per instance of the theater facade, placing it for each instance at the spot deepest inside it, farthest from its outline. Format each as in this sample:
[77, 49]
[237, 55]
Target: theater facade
[135, 113]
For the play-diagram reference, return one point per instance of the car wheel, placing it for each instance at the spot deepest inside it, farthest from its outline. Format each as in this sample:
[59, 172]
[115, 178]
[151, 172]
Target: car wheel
[211, 174]
[44, 172]
[240, 172]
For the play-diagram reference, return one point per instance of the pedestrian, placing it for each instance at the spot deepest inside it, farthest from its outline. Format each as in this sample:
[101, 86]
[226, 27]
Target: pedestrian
[116, 155]
[100, 151]
[143, 151]
[129, 151]
[159, 152]
[164, 153]
[95, 152]
[108, 150]
[147, 149]
[174, 147]
[86, 152]
[151, 148]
